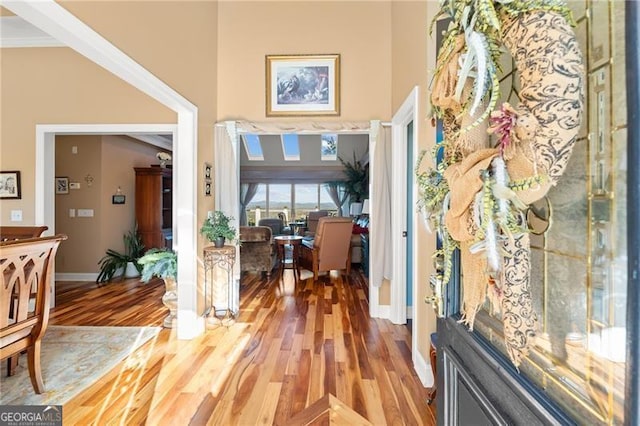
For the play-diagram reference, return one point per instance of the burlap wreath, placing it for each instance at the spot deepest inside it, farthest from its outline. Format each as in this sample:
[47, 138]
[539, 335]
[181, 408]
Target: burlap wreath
[536, 139]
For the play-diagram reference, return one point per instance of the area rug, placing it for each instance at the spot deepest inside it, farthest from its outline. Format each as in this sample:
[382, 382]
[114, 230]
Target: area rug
[72, 358]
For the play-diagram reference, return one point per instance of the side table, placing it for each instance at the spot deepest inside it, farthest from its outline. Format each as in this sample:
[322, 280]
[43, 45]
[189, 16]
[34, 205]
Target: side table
[223, 258]
[282, 241]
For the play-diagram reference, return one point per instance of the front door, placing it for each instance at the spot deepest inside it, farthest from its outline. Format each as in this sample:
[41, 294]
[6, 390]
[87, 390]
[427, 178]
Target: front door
[584, 267]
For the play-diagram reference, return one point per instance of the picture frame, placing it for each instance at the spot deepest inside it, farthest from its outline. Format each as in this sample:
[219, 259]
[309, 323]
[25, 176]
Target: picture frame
[208, 169]
[207, 188]
[302, 85]
[62, 185]
[118, 199]
[10, 186]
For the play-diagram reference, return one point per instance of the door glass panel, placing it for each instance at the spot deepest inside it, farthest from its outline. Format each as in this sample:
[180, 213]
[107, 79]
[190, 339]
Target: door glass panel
[579, 265]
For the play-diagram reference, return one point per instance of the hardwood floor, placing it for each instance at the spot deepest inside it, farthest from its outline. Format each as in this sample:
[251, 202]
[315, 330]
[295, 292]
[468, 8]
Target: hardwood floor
[290, 347]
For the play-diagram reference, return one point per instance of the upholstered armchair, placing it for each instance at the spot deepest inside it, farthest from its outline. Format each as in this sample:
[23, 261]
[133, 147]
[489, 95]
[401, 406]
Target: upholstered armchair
[276, 225]
[256, 251]
[312, 221]
[330, 248]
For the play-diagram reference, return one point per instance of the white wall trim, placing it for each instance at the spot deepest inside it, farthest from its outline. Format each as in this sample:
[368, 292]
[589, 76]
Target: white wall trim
[16, 32]
[56, 21]
[384, 311]
[76, 276]
[407, 112]
[422, 369]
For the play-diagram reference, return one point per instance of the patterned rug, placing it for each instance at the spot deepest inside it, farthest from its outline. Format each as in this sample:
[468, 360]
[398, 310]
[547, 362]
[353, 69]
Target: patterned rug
[72, 358]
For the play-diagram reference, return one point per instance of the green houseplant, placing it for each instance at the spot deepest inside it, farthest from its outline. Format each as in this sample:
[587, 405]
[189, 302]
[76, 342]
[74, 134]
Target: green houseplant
[163, 263]
[114, 262]
[357, 182]
[217, 228]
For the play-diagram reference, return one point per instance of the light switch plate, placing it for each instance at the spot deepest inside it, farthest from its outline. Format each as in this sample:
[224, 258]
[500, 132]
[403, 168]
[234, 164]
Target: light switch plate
[72, 212]
[74, 185]
[16, 215]
[85, 212]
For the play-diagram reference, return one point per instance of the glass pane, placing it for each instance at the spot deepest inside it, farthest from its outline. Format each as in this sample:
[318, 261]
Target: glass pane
[306, 199]
[329, 149]
[252, 147]
[326, 203]
[279, 199]
[290, 147]
[578, 274]
[258, 205]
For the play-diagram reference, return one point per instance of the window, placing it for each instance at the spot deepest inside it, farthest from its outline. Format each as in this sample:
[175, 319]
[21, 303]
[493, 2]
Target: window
[294, 200]
[306, 199]
[329, 147]
[290, 147]
[279, 198]
[252, 147]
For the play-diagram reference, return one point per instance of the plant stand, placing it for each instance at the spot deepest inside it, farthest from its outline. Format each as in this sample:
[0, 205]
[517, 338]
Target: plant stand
[170, 300]
[222, 258]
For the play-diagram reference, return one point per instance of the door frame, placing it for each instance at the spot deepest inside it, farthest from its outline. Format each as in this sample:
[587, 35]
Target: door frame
[408, 112]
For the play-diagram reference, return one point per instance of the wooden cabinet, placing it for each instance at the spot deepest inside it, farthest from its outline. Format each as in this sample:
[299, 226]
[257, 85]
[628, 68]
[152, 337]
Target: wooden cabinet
[154, 205]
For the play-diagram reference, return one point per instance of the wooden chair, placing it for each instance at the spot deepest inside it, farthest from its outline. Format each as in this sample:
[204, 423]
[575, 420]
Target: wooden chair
[330, 248]
[26, 272]
[21, 232]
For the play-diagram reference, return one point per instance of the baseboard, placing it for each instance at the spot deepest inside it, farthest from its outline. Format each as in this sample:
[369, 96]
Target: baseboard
[423, 369]
[76, 276]
[384, 311]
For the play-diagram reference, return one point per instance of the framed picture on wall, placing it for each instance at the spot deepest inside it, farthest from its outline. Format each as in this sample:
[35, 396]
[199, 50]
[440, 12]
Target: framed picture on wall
[62, 185]
[302, 85]
[10, 185]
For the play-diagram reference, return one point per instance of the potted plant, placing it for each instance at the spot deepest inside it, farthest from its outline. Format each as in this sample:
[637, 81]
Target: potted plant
[163, 263]
[217, 228]
[357, 182]
[122, 264]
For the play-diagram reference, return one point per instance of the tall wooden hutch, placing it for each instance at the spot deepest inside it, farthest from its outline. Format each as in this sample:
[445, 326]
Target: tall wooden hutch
[154, 187]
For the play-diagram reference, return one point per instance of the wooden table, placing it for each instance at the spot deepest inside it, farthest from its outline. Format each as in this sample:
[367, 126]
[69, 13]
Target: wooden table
[289, 263]
[296, 226]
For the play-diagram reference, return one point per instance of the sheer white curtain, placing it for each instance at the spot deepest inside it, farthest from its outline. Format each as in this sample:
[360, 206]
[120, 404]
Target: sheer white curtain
[381, 262]
[227, 193]
[338, 194]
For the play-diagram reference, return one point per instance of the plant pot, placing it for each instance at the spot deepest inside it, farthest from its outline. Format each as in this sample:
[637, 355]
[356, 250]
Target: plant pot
[218, 242]
[170, 300]
[131, 271]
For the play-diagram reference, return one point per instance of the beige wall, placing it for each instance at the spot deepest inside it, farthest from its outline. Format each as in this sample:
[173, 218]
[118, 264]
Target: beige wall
[110, 161]
[81, 251]
[359, 31]
[54, 86]
[178, 42]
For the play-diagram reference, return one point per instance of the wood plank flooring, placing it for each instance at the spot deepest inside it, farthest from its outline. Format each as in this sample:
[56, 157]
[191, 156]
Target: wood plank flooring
[291, 346]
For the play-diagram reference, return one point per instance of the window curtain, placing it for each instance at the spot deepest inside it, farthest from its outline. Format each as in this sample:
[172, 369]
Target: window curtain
[338, 193]
[247, 192]
[381, 262]
[227, 194]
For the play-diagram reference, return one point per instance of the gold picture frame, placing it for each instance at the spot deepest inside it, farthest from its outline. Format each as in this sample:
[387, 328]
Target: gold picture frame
[302, 85]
